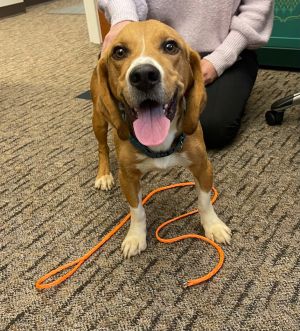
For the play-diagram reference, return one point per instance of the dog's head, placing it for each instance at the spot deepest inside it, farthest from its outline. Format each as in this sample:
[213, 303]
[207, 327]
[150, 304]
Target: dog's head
[150, 70]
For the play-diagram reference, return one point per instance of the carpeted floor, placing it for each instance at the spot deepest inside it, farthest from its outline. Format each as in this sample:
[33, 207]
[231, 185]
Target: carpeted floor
[51, 213]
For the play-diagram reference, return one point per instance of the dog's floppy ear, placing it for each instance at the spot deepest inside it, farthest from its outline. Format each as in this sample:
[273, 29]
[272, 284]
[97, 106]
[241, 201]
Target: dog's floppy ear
[196, 95]
[107, 103]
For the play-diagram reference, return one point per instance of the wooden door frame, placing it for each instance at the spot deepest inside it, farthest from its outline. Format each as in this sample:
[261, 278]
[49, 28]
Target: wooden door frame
[96, 21]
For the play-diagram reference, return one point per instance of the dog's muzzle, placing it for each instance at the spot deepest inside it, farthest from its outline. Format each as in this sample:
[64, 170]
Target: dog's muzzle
[151, 110]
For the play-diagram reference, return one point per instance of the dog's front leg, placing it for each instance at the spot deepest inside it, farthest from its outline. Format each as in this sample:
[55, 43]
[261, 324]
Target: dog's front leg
[104, 179]
[135, 240]
[214, 228]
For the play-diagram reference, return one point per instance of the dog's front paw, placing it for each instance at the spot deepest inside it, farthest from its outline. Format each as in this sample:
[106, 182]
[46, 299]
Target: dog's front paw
[218, 231]
[105, 182]
[133, 244]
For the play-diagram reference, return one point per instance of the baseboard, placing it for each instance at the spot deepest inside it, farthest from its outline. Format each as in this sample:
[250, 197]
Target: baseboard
[34, 2]
[16, 8]
[279, 57]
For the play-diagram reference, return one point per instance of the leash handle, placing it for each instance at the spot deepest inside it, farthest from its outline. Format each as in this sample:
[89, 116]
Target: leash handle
[40, 283]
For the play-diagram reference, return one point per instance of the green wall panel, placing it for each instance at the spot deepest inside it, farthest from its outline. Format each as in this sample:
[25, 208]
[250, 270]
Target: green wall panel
[283, 49]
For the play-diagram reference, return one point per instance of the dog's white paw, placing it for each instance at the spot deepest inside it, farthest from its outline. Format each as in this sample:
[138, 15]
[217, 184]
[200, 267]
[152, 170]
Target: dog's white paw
[105, 182]
[133, 244]
[218, 231]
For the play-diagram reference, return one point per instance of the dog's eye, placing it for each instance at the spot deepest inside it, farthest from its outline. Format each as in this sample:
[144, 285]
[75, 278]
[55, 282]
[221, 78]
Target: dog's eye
[171, 47]
[119, 52]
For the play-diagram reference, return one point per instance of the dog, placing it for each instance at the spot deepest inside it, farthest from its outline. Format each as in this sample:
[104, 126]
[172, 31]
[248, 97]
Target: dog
[148, 86]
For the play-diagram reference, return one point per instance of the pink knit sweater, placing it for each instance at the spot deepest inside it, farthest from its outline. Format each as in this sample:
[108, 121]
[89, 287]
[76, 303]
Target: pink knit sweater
[224, 28]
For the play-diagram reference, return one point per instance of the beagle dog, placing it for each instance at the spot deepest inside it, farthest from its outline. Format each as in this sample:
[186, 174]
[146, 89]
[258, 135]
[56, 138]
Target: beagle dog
[148, 86]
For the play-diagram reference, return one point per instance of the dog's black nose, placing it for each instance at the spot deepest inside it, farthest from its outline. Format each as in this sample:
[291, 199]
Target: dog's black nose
[144, 77]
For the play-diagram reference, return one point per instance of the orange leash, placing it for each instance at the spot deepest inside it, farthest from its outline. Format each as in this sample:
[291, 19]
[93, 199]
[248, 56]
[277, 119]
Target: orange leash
[40, 284]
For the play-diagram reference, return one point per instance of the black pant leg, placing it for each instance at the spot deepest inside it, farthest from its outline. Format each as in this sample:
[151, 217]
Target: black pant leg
[227, 97]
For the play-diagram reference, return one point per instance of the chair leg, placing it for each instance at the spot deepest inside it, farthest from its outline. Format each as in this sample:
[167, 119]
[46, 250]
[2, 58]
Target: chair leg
[275, 115]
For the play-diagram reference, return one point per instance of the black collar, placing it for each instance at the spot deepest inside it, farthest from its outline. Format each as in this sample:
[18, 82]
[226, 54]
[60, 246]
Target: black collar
[175, 147]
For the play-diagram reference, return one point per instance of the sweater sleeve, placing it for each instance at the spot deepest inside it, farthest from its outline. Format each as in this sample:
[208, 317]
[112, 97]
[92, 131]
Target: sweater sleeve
[250, 27]
[121, 10]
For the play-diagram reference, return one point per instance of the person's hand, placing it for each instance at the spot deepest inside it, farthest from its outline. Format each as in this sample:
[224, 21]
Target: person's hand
[208, 71]
[114, 30]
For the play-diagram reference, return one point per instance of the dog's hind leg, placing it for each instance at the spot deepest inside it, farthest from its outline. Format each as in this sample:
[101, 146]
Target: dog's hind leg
[104, 179]
[214, 228]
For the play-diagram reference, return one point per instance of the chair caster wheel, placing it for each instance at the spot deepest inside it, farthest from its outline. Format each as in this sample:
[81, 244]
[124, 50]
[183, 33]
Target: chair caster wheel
[274, 117]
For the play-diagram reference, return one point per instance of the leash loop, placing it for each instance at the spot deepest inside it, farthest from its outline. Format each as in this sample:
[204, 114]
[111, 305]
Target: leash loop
[40, 283]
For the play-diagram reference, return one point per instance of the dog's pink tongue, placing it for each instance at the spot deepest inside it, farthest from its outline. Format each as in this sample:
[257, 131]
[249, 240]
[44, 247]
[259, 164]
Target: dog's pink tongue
[152, 126]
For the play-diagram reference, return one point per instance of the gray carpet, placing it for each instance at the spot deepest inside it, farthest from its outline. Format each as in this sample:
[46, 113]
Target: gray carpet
[51, 213]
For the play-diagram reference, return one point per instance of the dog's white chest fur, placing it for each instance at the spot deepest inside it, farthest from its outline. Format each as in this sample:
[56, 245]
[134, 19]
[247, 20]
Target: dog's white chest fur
[176, 159]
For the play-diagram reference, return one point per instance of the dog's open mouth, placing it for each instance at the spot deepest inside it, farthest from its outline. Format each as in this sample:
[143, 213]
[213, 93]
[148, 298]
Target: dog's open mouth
[153, 119]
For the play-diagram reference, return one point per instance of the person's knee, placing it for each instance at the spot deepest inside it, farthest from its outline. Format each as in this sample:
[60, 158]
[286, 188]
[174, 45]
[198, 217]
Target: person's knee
[218, 134]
